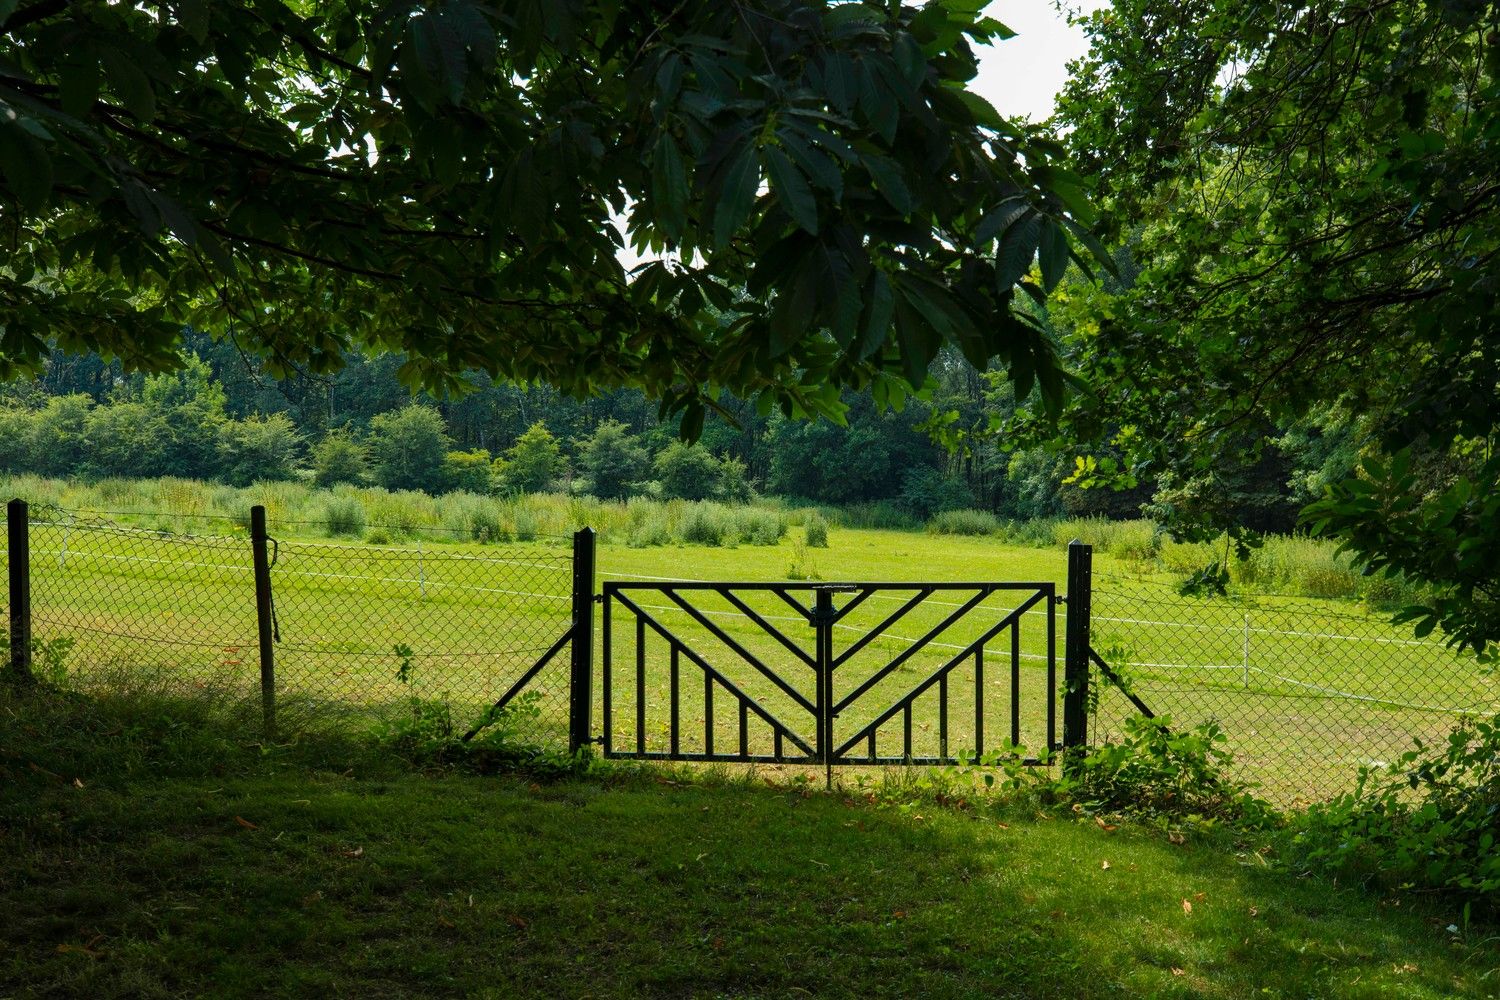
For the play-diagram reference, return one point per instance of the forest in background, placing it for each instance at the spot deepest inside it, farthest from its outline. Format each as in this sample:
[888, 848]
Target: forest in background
[221, 418]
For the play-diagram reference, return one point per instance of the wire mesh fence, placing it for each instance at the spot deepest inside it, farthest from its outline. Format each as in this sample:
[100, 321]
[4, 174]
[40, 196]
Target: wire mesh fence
[1306, 694]
[358, 629]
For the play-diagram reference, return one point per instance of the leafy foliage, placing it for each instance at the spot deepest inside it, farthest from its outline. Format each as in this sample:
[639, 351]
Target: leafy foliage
[533, 463]
[1306, 202]
[1430, 819]
[1156, 770]
[407, 448]
[614, 461]
[315, 178]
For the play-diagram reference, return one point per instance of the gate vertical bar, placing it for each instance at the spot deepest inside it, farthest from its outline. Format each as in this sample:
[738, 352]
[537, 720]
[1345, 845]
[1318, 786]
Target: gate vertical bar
[1076, 650]
[264, 628]
[823, 613]
[18, 534]
[580, 695]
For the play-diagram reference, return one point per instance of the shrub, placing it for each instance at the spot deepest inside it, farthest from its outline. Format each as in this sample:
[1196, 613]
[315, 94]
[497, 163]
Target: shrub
[339, 458]
[964, 522]
[651, 530]
[1036, 532]
[259, 448]
[525, 524]
[344, 515]
[733, 485]
[705, 524]
[1297, 564]
[472, 518]
[1156, 771]
[467, 471]
[614, 461]
[533, 463]
[815, 531]
[378, 536]
[407, 447]
[688, 471]
[1135, 540]
[759, 527]
[1430, 821]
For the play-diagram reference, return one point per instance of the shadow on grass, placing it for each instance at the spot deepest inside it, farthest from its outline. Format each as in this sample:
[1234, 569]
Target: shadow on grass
[293, 879]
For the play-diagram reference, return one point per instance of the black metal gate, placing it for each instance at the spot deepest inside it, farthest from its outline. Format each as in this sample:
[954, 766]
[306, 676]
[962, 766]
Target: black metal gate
[821, 674]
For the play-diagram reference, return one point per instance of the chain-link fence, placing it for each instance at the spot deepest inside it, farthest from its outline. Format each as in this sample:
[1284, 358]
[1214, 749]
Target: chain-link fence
[356, 629]
[1306, 694]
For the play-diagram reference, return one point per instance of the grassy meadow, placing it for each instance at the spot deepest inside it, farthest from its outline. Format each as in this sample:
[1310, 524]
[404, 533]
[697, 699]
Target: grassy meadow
[1307, 688]
[151, 848]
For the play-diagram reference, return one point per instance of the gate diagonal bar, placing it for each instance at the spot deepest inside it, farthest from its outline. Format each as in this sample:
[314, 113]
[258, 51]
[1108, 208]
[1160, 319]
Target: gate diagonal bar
[830, 683]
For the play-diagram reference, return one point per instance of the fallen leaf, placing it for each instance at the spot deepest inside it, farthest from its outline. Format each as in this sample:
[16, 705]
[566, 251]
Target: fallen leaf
[1176, 838]
[80, 949]
[1403, 967]
[1003, 826]
[718, 944]
[1254, 912]
[516, 922]
[77, 782]
[1200, 896]
[899, 914]
[1177, 972]
[1104, 865]
[242, 821]
[355, 853]
[1187, 907]
[445, 922]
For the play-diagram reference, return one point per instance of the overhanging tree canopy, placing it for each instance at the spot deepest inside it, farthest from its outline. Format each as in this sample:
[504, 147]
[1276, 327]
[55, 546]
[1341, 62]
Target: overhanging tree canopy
[830, 205]
[1309, 195]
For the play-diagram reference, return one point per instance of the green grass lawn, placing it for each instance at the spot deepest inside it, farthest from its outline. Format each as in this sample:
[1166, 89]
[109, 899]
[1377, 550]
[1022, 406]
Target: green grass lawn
[278, 880]
[1328, 686]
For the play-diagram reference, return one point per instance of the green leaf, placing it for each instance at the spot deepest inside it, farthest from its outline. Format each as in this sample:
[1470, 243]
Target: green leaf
[78, 84]
[736, 196]
[26, 167]
[822, 170]
[790, 187]
[876, 323]
[193, 16]
[669, 186]
[130, 83]
[1000, 218]
[1017, 249]
[889, 182]
[1053, 251]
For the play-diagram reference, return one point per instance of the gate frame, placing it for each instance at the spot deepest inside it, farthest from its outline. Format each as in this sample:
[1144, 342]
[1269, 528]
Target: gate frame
[823, 616]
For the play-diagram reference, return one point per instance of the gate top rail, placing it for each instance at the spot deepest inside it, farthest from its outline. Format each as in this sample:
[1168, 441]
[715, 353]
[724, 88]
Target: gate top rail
[839, 587]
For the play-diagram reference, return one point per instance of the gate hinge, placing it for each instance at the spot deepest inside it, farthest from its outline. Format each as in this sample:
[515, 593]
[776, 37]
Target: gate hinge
[1060, 598]
[598, 598]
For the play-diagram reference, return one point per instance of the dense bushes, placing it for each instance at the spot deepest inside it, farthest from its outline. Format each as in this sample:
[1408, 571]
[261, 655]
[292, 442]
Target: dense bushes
[1429, 820]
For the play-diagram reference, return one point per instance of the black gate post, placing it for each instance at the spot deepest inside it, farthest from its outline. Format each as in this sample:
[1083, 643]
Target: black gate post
[18, 532]
[1076, 650]
[580, 694]
[823, 613]
[264, 627]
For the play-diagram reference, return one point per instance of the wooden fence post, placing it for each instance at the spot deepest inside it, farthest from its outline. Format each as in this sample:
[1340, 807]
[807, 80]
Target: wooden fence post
[264, 626]
[18, 532]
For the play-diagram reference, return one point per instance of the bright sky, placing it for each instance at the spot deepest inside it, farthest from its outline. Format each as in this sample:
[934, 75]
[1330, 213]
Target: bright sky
[1021, 76]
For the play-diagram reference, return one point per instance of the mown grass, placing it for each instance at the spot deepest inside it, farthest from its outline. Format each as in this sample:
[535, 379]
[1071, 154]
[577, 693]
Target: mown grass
[325, 867]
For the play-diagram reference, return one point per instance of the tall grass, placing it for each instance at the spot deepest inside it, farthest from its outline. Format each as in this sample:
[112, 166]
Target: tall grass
[963, 522]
